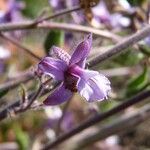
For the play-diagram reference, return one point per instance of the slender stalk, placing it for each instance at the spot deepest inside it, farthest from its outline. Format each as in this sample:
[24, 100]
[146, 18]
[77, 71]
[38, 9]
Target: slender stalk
[10, 84]
[33, 24]
[98, 118]
[20, 46]
[60, 26]
[80, 29]
[127, 42]
[4, 113]
[122, 124]
[60, 13]
[34, 97]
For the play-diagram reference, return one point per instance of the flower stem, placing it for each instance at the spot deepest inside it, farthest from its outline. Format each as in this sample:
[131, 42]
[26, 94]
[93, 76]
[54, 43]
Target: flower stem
[98, 118]
[123, 123]
[121, 46]
[34, 23]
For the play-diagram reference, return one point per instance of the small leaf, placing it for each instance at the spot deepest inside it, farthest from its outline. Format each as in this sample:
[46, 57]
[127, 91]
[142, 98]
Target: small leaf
[139, 83]
[54, 37]
[106, 105]
[3, 93]
[145, 50]
[23, 93]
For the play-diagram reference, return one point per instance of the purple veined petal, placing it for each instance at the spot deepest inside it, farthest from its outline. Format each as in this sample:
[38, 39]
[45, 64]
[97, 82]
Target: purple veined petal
[60, 54]
[81, 52]
[93, 88]
[60, 95]
[52, 67]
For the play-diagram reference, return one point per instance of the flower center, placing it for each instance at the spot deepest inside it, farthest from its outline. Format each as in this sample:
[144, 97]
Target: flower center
[70, 81]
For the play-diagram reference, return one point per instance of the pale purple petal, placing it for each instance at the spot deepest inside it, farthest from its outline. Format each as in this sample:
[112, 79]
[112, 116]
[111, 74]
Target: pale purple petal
[60, 54]
[118, 20]
[93, 87]
[82, 73]
[147, 41]
[81, 52]
[68, 121]
[101, 12]
[60, 95]
[52, 67]
[57, 4]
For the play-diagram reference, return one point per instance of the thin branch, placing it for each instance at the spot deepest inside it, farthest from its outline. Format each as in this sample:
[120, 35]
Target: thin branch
[60, 26]
[20, 46]
[37, 94]
[33, 24]
[60, 13]
[4, 113]
[16, 81]
[80, 29]
[122, 124]
[127, 42]
[98, 118]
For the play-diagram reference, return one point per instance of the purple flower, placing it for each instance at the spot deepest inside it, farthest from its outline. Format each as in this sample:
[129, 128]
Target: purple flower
[103, 16]
[54, 114]
[70, 70]
[101, 13]
[11, 13]
[57, 4]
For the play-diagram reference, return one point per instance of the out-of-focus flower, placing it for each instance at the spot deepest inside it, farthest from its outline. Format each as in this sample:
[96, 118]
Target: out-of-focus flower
[102, 16]
[54, 114]
[9, 11]
[70, 70]
[57, 4]
[101, 13]
[147, 41]
[4, 54]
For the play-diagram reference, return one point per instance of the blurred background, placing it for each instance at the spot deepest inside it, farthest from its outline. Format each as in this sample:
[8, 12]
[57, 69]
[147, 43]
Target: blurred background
[128, 73]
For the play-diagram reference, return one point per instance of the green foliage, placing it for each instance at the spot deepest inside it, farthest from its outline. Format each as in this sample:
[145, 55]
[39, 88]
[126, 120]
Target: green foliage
[33, 7]
[138, 83]
[145, 50]
[22, 138]
[106, 105]
[130, 58]
[3, 93]
[54, 37]
[136, 2]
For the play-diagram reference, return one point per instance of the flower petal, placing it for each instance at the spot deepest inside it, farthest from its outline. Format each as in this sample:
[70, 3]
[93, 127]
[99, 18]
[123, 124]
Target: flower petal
[52, 67]
[60, 95]
[60, 54]
[101, 12]
[81, 52]
[93, 86]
